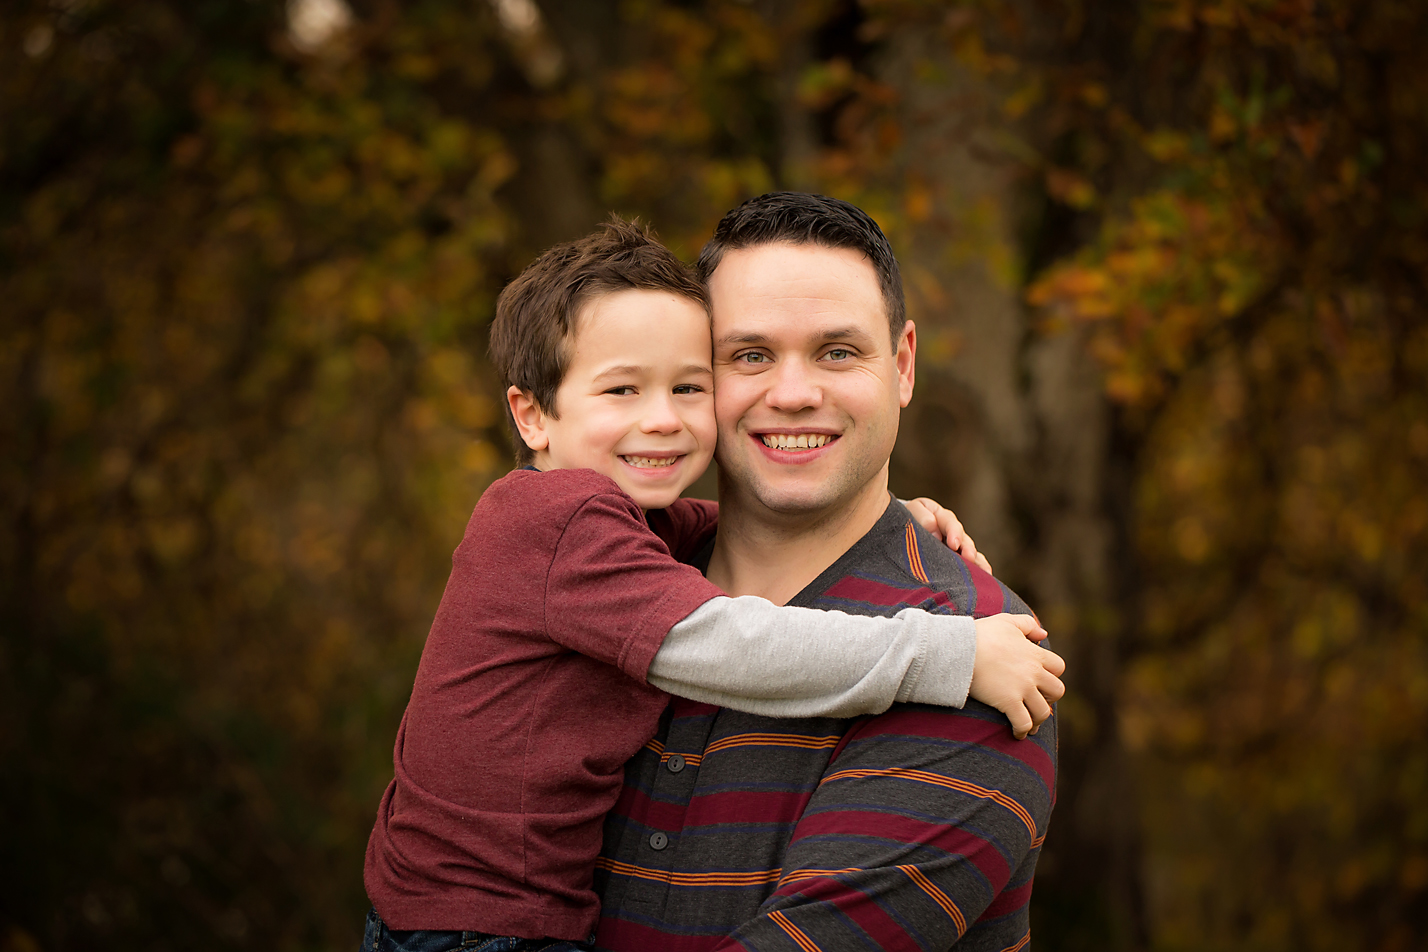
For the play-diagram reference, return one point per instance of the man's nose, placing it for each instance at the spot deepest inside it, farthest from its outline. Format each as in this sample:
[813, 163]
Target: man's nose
[792, 387]
[661, 415]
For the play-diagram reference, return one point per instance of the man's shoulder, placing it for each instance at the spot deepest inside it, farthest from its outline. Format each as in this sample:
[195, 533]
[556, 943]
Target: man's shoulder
[898, 565]
[945, 570]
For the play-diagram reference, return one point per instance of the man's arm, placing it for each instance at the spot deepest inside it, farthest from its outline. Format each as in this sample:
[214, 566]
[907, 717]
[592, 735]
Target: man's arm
[925, 826]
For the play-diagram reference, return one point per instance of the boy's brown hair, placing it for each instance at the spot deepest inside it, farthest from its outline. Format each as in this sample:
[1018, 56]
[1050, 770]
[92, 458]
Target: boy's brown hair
[537, 312]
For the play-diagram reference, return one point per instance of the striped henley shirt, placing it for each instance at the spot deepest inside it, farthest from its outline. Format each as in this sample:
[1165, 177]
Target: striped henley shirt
[918, 828]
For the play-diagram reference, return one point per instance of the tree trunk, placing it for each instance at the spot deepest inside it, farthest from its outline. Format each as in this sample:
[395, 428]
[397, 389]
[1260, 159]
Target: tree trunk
[1009, 427]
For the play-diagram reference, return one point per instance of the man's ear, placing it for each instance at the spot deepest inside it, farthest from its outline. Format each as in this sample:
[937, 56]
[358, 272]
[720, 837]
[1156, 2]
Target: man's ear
[530, 419]
[906, 358]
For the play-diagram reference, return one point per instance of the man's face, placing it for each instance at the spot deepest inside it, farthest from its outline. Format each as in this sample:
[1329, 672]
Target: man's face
[808, 385]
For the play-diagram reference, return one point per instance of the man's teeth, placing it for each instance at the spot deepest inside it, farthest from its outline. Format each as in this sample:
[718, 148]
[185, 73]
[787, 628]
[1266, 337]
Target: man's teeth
[803, 441]
[650, 462]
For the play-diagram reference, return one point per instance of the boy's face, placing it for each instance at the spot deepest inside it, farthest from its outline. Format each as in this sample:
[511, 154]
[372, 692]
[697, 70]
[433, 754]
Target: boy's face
[637, 401]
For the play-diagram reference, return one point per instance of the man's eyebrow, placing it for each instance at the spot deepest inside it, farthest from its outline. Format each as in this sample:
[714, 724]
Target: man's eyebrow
[748, 338]
[845, 333]
[837, 333]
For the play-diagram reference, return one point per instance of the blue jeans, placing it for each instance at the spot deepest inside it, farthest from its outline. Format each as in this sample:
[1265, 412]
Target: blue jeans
[378, 938]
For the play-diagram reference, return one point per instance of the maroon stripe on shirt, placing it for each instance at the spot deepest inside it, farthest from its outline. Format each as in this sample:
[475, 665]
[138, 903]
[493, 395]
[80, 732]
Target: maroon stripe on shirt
[844, 894]
[909, 834]
[1009, 900]
[915, 722]
[873, 592]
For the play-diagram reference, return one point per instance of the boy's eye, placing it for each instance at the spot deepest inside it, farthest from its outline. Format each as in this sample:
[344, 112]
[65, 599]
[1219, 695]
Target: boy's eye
[688, 388]
[621, 391]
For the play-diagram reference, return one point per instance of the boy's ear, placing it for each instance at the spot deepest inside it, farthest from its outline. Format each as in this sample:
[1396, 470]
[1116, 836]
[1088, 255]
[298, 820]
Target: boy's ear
[530, 420]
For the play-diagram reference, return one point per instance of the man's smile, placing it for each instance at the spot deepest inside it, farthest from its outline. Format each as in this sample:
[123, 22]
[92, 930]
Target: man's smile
[796, 441]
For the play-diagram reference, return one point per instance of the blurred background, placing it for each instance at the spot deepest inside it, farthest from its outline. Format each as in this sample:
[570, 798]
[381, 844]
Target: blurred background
[1169, 264]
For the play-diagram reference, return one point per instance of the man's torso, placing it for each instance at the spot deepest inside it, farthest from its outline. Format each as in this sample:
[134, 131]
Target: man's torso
[906, 830]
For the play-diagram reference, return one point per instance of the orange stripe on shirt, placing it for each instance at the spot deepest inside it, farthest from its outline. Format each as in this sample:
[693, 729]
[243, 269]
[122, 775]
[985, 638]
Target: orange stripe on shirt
[798, 875]
[794, 932]
[1020, 945]
[922, 776]
[914, 556]
[806, 741]
[938, 896]
[757, 877]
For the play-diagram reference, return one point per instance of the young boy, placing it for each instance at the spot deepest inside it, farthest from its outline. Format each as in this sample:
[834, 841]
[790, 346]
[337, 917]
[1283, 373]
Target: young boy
[566, 619]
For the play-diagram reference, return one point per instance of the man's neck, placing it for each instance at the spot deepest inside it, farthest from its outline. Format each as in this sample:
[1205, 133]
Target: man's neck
[775, 555]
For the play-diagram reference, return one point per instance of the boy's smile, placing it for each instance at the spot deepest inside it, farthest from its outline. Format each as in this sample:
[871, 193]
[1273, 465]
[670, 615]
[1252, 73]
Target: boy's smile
[636, 402]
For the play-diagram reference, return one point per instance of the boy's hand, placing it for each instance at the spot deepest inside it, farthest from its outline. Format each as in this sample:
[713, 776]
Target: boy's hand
[944, 524]
[1015, 675]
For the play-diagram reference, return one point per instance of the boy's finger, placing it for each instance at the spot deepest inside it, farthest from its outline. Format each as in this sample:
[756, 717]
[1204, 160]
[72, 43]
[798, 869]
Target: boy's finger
[1021, 721]
[1027, 625]
[1051, 687]
[1053, 662]
[1037, 707]
[952, 532]
[981, 560]
[924, 515]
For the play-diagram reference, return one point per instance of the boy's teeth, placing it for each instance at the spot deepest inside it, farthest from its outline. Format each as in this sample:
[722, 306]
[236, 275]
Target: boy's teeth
[803, 441]
[649, 462]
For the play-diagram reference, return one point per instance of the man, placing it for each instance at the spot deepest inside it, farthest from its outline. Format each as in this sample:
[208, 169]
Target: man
[915, 829]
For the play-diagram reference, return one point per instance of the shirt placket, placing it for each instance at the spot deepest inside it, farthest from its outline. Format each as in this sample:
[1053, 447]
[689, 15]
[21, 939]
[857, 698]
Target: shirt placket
[671, 789]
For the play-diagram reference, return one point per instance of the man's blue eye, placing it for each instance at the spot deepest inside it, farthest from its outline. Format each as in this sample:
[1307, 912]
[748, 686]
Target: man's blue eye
[839, 353]
[754, 357]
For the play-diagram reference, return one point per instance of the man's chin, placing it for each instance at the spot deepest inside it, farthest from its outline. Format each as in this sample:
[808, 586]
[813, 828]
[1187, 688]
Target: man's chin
[799, 500]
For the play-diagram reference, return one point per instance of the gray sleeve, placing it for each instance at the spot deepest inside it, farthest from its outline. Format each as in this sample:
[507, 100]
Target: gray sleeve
[751, 655]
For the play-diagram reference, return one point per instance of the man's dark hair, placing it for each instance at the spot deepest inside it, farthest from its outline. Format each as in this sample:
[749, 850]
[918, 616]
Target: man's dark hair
[536, 314]
[802, 218]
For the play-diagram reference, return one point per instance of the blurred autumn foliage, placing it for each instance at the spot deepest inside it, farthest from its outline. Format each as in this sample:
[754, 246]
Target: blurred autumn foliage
[1169, 261]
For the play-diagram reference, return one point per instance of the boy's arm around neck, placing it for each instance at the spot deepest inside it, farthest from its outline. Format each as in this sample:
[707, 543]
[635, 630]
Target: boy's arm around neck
[751, 655]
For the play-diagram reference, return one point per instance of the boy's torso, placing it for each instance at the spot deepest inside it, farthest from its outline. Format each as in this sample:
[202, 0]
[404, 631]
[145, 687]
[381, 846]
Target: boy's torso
[529, 699]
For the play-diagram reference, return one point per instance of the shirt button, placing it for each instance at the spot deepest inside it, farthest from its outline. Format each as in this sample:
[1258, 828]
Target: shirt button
[658, 841]
[675, 763]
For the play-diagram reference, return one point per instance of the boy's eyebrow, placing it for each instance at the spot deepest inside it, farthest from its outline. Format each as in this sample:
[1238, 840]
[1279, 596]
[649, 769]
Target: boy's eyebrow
[625, 370]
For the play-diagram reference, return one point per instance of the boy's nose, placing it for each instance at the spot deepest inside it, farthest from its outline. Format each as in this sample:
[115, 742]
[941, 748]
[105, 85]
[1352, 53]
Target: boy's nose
[661, 416]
